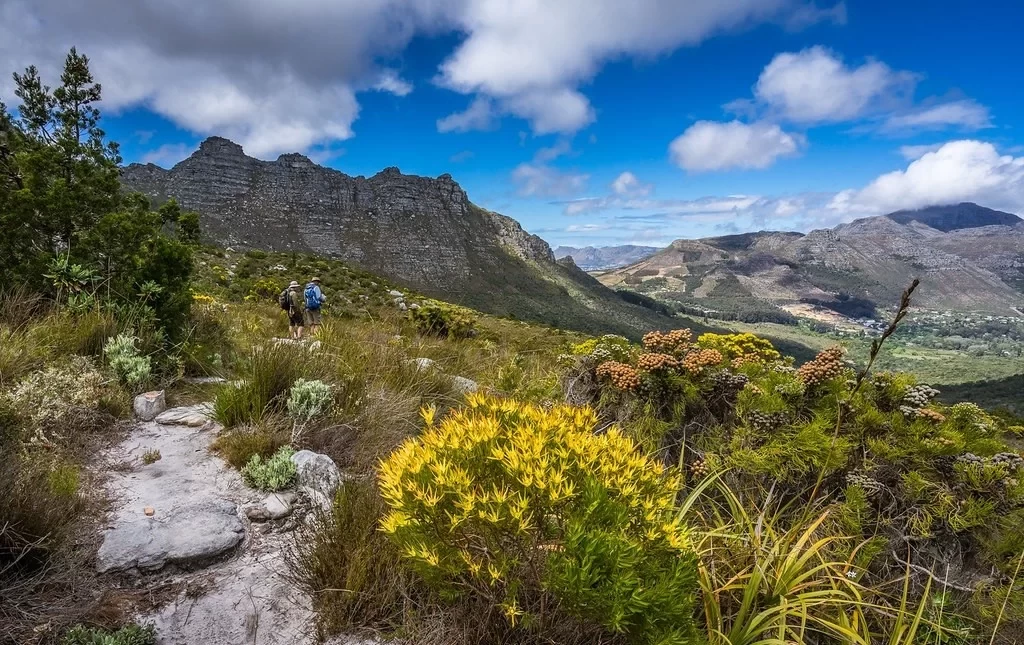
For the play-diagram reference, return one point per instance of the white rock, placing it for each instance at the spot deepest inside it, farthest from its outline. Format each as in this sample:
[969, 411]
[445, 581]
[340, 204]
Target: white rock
[204, 380]
[317, 475]
[464, 385]
[150, 404]
[423, 364]
[401, 306]
[395, 293]
[414, 306]
[194, 416]
[279, 505]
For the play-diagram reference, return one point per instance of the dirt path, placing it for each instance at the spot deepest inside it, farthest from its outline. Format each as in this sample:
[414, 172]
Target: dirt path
[183, 520]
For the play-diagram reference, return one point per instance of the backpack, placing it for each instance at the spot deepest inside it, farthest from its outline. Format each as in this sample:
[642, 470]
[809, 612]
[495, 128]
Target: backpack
[312, 298]
[282, 300]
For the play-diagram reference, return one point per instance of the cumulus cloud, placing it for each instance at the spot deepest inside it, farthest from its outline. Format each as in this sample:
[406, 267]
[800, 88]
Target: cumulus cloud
[461, 156]
[282, 75]
[531, 57]
[710, 145]
[816, 86]
[627, 185]
[965, 170]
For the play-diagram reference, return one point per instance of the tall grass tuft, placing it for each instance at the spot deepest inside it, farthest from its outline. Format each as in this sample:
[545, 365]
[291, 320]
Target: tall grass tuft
[270, 372]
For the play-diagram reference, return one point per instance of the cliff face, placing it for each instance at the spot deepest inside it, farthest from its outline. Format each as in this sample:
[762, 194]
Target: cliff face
[419, 230]
[415, 230]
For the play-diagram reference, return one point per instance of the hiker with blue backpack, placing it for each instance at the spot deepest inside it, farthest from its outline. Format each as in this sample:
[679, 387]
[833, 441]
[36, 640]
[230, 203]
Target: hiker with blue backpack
[314, 300]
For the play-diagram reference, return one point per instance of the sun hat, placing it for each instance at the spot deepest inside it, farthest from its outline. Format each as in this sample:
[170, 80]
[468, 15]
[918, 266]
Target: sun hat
[293, 284]
[315, 279]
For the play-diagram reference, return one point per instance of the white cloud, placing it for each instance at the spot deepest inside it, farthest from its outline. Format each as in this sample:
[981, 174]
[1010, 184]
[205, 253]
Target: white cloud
[710, 145]
[967, 114]
[531, 56]
[561, 147]
[816, 86]
[390, 81]
[916, 152]
[168, 154]
[459, 157]
[965, 170]
[478, 116]
[539, 180]
[627, 185]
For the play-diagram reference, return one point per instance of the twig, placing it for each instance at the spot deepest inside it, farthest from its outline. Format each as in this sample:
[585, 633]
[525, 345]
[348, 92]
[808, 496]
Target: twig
[927, 572]
[876, 344]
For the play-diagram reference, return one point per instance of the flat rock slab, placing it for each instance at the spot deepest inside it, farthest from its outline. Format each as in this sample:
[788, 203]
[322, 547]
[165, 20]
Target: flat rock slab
[194, 496]
[194, 416]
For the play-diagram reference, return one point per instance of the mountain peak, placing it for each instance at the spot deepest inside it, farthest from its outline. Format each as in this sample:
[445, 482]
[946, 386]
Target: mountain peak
[955, 216]
[220, 146]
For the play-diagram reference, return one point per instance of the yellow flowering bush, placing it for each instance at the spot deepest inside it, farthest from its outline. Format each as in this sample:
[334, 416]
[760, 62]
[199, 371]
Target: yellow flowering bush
[746, 345]
[527, 507]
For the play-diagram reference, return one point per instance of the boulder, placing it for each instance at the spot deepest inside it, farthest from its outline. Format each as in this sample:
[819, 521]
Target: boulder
[394, 293]
[317, 475]
[463, 385]
[414, 306]
[194, 416]
[402, 307]
[279, 505]
[150, 404]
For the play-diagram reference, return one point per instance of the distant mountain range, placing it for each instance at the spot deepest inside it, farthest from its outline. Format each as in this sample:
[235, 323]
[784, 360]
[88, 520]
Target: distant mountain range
[419, 231]
[593, 258]
[968, 257]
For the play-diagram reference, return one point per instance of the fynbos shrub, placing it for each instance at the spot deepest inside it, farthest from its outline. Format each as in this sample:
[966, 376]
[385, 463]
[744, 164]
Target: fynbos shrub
[273, 474]
[527, 507]
[131, 368]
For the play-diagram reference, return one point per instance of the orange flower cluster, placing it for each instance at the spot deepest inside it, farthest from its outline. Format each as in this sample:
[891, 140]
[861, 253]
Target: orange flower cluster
[827, 365]
[696, 361]
[745, 359]
[934, 416]
[673, 342]
[654, 362]
[622, 376]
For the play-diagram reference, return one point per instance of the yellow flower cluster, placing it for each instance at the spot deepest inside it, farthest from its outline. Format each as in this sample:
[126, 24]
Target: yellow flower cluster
[675, 342]
[696, 361]
[473, 496]
[750, 347]
[653, 362]
[622, 376]
[827, 365]
[202, 299]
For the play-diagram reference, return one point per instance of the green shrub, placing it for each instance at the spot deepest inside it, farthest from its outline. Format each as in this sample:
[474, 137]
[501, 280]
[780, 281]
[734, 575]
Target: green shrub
[444, 321]
[528, 508]
[273, 474]
[238, 445]
[130, 635]
[123, 356]
[272, 370]
[48, 396]
[309, 399]
[151, 456]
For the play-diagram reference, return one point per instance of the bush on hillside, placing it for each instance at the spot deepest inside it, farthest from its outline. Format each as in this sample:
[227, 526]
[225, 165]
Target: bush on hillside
[904, 469]
[442, 320]
[526, 508]
[47, 397]
[272, 474]
[123, 356]
[130, 635]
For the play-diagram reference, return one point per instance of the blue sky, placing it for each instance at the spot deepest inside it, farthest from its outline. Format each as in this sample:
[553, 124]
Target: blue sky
[591, 122]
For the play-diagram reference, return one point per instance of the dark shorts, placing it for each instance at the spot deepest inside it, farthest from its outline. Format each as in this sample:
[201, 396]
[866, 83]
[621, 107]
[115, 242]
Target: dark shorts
[295, 319]
[312, 316]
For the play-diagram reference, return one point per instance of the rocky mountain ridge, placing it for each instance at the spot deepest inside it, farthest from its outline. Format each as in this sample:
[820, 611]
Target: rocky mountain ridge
[976, 265]
[423, 232]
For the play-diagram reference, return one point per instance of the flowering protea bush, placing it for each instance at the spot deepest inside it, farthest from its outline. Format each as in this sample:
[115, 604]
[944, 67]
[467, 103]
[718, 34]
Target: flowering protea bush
[527, 507]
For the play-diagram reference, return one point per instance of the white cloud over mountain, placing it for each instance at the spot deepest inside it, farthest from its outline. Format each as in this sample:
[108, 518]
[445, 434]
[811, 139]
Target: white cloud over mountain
[281, 75]
[710, 145]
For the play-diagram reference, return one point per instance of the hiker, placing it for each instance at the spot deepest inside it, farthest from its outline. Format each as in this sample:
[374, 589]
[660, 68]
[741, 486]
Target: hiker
[293, 302]
[314, 299]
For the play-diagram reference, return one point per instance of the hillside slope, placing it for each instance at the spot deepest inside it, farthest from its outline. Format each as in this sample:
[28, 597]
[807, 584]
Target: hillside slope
[850, 268]
[418, 231]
